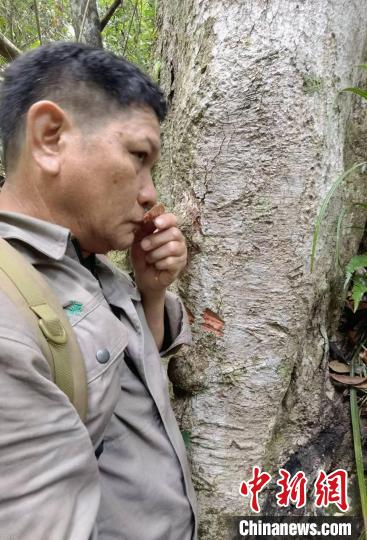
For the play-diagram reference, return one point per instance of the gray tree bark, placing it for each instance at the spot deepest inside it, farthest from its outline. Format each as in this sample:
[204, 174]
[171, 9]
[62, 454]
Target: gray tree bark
[254, 140]
[86, 22]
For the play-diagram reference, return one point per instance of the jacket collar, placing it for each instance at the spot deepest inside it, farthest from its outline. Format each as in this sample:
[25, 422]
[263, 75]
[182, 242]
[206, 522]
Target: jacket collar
[109, 275]
[48, 238]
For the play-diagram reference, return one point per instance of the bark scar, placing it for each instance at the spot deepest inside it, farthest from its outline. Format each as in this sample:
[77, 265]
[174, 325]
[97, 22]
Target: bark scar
[212, 323]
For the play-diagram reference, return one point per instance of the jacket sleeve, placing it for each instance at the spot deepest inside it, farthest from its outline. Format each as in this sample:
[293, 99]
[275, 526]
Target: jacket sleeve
[178, 324]
[49, 474]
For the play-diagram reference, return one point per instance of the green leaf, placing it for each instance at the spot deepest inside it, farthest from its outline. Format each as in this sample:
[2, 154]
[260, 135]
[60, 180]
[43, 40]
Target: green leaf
[362, 205]
[358, 290]
[357, 262]
[354, 90]
[325, 204]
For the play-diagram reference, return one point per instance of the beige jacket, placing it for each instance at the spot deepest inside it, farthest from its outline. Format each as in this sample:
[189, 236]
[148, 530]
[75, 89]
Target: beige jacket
[51, 485]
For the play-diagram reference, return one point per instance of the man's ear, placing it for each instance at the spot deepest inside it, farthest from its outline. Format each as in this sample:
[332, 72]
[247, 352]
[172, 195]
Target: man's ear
[45, 124]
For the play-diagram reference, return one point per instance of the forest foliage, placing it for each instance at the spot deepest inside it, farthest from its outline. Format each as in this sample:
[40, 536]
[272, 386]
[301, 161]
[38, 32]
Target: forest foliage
[130, 31]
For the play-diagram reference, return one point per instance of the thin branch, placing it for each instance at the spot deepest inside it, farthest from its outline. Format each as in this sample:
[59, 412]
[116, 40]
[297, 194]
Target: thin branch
[83, 20]
[131, 22]
[37, 21]
[140, 16]
[11, 16]
[105, 20]
[7, 49]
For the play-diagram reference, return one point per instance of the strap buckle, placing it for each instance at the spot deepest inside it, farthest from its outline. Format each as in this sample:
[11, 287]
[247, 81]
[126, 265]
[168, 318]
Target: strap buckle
[50, 324]
[59, 338]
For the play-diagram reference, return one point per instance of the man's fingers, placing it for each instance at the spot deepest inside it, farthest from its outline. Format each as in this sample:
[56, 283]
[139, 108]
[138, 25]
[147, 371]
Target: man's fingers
[158, 239]
[165, 221]
[175, 264]
[170, 249]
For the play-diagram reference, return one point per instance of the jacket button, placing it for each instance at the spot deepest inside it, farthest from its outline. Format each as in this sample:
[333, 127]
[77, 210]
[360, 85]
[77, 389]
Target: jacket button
[103, 356]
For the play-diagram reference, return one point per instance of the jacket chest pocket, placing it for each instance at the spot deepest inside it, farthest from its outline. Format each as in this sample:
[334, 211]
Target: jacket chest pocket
[102, 339]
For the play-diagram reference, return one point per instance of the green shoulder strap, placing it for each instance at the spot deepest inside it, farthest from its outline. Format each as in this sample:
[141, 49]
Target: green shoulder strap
[27, 288]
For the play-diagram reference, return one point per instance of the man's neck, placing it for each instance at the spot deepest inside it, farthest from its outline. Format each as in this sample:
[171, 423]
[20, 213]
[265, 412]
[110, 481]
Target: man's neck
[33, 204]
[12, 199]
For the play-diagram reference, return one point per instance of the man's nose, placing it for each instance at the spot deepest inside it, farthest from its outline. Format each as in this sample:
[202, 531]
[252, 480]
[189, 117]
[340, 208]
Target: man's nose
[148, 194]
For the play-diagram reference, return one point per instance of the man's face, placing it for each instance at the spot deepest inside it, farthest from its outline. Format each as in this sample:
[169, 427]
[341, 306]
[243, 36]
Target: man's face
[106, 178]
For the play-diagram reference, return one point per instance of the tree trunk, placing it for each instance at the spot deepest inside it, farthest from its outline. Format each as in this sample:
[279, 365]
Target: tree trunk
[86, 22]
[255, 137]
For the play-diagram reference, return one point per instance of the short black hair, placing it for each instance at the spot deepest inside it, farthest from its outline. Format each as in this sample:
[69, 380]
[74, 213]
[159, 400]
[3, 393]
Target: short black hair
[81, 78]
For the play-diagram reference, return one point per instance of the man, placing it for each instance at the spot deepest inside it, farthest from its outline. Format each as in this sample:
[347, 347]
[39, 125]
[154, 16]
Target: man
[80, 131]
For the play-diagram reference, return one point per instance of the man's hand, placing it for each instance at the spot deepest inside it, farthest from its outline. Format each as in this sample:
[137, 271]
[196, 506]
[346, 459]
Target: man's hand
[159, 257]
